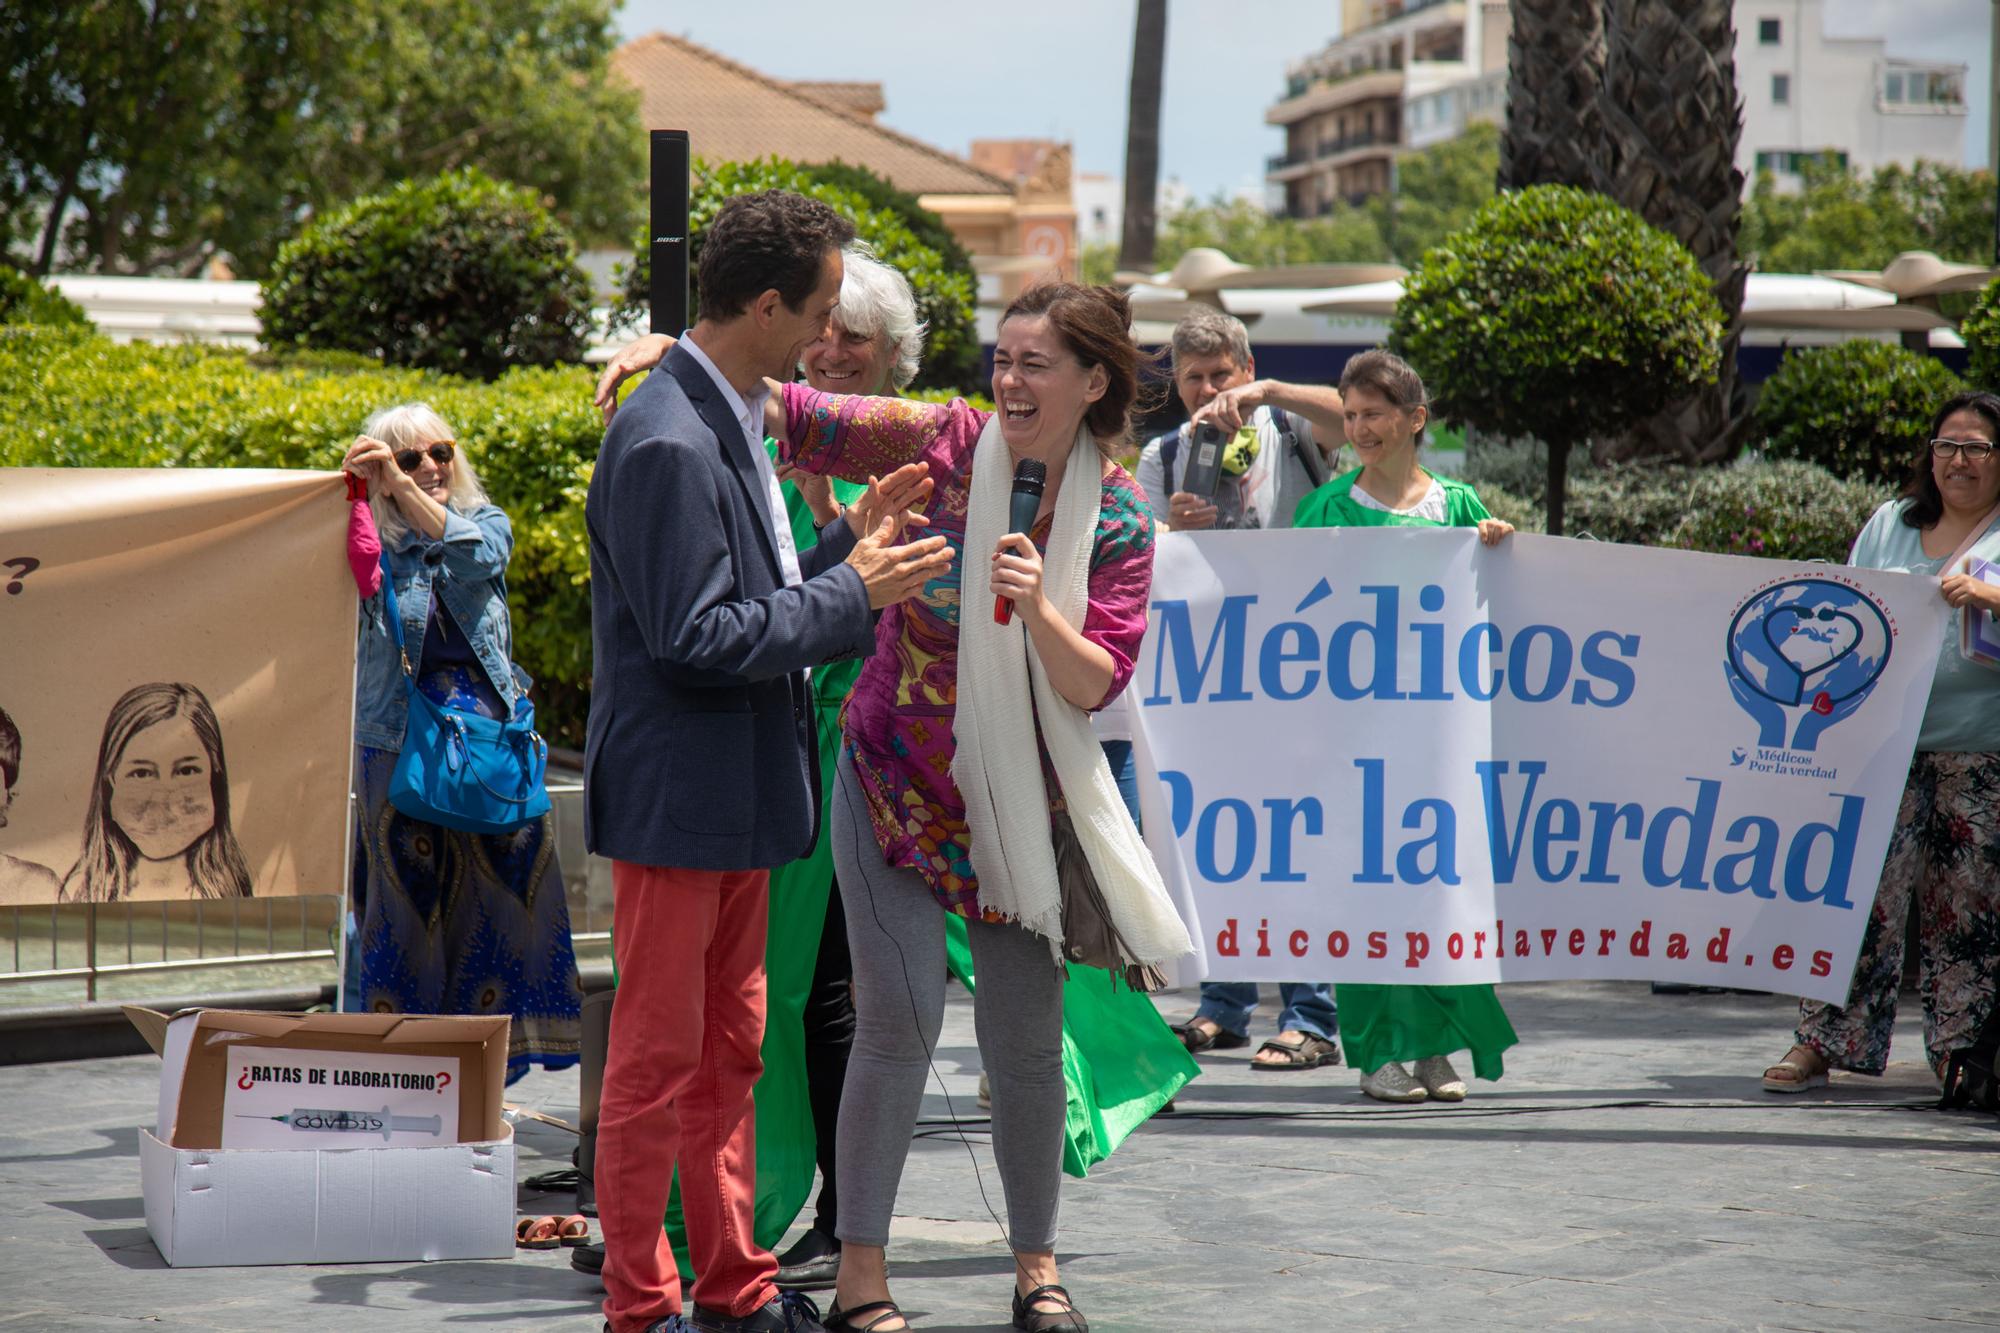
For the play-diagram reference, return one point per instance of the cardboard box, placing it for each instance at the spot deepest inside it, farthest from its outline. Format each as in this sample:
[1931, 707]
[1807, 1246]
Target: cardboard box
[207, 1205]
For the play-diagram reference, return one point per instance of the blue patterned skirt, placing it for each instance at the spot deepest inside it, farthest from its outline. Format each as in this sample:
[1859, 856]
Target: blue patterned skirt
[462, 923]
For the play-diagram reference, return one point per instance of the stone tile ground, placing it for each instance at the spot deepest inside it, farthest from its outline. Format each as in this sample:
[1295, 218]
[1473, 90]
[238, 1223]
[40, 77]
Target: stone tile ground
[1627, 1174]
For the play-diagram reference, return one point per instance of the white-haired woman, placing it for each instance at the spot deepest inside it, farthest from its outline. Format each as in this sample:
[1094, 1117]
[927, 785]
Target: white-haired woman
[447, 922]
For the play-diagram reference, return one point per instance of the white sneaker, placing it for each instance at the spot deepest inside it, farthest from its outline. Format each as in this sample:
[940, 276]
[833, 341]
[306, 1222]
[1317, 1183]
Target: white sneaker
[1392, 1083]
[1440, 1080]
[986, 1092]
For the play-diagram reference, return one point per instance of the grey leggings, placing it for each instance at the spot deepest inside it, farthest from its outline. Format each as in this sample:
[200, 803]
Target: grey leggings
[895, 932]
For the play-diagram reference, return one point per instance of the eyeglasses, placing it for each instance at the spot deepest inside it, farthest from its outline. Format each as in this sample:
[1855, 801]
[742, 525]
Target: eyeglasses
[440, 453]
[1972, 451]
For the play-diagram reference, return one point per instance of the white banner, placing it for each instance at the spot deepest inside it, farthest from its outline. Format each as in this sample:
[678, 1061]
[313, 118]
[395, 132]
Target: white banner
[1393, 755]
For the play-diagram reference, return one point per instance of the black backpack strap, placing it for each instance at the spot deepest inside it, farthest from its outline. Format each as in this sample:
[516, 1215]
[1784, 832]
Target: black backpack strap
[1311, 459]
[1170, 450]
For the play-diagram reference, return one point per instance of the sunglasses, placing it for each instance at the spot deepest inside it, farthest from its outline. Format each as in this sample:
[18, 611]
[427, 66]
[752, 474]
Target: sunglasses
[440, 453]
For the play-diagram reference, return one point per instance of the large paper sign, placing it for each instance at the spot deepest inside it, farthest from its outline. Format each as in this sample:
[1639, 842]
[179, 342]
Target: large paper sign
[280, 1098]
[1393, 755]
[176, 684]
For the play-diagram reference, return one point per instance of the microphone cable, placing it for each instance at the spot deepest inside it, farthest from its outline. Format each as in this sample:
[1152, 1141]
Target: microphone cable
[953, 1126]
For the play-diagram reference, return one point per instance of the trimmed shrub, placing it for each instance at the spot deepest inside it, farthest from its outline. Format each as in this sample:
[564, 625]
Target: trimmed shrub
[1520, 466]
[25, 300]
[1859, 409]
[1981, 332]
[1780, 510]
[1784, 510]
[1505, 504]
[459, 273]
[943, 283]
[71, 399]
[1558, 314]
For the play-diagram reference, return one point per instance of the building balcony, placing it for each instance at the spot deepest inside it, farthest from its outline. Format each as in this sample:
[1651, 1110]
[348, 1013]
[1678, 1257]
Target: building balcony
[1914, 88]
[1328, 153]
[1332, 94]
[1352, 147]
[1289, 166]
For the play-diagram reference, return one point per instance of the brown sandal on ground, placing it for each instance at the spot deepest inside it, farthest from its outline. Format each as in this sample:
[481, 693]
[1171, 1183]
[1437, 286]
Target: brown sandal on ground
[573, 1230]
[1304, 1051]
[538, 1233]
[1801, 1069]
[1205, 1034]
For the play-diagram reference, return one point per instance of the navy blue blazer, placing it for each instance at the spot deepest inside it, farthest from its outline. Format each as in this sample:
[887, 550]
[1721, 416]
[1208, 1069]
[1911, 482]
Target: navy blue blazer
[701, 752]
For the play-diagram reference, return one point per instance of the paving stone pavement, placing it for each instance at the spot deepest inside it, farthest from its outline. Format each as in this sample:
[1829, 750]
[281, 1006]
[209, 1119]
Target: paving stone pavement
[1627, 1174]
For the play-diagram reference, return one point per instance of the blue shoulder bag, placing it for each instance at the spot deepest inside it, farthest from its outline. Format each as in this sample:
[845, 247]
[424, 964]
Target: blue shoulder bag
[461, 770]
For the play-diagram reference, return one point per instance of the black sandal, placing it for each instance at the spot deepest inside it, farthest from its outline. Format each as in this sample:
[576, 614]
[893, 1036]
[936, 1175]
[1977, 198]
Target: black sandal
[1198, 1040]
[842, 1321]
[1069, 1319]
[1308, 1052]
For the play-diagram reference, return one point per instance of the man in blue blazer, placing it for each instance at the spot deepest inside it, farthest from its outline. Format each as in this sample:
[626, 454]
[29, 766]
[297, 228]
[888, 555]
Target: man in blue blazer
[700, 762]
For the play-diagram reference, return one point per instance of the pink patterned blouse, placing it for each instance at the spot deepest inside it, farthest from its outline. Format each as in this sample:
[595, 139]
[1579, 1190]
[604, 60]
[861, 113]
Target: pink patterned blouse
[898, 721]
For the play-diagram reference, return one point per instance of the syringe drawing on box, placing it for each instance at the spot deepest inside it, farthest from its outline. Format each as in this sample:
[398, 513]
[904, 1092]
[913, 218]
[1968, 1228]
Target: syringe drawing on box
[356, 1122]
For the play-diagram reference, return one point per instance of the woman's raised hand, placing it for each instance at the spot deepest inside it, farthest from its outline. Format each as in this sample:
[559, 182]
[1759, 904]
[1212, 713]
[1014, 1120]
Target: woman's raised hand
[642, 353]
[901, 495]
[1491, 530]
[370, 459]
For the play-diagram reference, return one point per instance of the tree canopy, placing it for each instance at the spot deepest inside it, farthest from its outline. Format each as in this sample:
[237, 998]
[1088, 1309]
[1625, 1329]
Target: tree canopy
[1560, 315]
[940, 273]
[1847, 219]
[147, 137]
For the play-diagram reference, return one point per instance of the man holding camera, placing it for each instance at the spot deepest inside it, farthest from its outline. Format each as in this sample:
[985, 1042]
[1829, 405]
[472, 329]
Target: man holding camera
[1251, 450]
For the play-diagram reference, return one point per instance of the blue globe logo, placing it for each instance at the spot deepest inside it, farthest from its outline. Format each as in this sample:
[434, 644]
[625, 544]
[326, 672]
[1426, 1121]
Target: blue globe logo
[1803, 655]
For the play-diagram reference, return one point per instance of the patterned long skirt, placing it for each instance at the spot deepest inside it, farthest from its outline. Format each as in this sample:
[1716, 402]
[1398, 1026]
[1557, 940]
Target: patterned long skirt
[463, 923]
[1946, 850]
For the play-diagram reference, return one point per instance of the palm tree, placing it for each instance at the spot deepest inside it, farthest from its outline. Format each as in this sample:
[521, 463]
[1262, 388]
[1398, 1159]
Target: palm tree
[1555, 73]
[1142, 136]
[1672, 118]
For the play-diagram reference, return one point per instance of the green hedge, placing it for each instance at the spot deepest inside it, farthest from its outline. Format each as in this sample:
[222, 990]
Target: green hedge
[1981, 331]
[71, 399]
[1859, 409]
[1778, 509]
[26, 300]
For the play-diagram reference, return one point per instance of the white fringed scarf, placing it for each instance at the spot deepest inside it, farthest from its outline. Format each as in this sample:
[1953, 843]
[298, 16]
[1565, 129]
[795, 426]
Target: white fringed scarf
[997, 767]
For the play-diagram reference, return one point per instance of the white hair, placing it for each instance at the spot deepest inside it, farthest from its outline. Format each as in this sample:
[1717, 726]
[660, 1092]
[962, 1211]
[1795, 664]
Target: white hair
[412, 426]
[875, 300]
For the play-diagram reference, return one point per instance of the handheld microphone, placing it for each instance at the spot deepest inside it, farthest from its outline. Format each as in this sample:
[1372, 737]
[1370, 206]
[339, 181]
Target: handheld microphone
[1030, 475]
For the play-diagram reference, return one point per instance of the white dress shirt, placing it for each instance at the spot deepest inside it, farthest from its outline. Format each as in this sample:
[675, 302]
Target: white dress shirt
[750, 416]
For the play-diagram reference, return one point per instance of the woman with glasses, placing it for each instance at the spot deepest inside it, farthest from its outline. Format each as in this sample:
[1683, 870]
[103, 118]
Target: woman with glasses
[1946, 844]
[448, 922]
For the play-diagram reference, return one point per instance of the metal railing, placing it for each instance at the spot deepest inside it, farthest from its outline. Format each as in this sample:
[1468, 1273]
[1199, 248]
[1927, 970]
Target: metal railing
[68, 952]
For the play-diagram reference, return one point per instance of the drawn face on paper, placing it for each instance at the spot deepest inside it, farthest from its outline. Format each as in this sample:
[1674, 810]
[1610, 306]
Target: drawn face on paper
[161, 796]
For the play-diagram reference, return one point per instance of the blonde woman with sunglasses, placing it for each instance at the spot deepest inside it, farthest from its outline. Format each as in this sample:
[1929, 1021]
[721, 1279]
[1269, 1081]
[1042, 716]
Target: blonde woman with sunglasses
[447, 922]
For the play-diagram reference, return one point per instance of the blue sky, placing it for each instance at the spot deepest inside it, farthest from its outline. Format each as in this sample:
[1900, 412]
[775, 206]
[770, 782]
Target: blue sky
[955, 71]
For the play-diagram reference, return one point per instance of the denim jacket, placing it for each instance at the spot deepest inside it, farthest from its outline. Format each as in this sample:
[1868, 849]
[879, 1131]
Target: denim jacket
[467, 572]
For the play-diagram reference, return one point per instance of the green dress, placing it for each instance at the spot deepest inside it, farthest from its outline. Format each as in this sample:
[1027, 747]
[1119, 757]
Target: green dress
[1383, 1023]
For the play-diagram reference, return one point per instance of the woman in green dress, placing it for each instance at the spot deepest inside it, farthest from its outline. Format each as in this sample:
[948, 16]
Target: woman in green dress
[1386, 1026]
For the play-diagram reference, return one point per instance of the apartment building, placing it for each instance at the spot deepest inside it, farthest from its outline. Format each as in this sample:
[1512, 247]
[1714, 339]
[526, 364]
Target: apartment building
[1402, 73]
[1807, 95]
